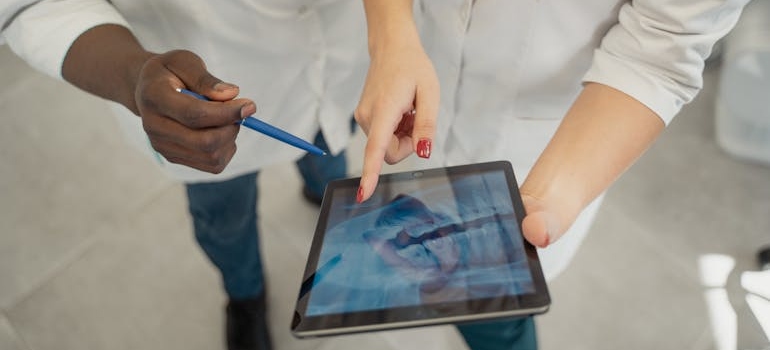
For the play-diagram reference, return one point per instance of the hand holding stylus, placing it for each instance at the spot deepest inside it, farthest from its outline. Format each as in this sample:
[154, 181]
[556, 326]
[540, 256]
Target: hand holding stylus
[267, 129]
[198, 134]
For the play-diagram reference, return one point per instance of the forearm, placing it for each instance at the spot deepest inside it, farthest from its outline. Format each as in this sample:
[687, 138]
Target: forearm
[602, 135]
[106, 61]
[389, 22]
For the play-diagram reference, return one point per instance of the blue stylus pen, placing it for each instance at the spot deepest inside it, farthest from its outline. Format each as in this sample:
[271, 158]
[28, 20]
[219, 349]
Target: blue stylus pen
[267, 129]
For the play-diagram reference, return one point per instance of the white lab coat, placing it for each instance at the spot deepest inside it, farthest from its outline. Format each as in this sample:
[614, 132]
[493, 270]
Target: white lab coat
[302, 61]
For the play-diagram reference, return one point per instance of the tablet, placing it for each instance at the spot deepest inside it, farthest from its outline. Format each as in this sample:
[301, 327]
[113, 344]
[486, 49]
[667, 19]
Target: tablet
[429, 247]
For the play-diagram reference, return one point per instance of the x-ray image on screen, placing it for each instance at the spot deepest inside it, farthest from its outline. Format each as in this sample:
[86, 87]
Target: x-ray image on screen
[416, 242]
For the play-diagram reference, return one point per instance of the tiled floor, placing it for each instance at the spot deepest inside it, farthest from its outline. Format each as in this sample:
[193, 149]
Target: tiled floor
[96, 250]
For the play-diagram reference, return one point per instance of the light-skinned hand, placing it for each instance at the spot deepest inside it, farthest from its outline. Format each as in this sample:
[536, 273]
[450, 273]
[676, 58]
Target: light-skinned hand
[397, 110]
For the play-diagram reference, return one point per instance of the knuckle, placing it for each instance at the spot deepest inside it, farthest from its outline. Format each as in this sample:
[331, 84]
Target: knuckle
[149, 129]
[427, 125]
[216, 167]
[182, 54]
[143, 98]
[217, 162]
[206, 162]
[205, 81]
[159, 143]
[371, 148]
[194, 117]
[381, 105]
[217, 158]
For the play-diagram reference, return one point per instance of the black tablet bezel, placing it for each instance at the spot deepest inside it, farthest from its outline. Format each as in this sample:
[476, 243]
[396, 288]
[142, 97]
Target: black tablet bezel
[424, 314]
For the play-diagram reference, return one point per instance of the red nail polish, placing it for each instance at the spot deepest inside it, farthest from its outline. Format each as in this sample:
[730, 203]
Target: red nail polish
[360, 195]
[423, 148]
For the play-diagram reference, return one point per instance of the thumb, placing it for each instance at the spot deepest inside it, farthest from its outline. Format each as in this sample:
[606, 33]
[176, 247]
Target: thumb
[191, 69]
[539, 228]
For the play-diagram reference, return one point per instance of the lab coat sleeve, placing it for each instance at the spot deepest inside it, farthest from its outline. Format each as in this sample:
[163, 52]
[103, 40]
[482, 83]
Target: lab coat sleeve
[656, 52]
[10, 9]
[41, 32]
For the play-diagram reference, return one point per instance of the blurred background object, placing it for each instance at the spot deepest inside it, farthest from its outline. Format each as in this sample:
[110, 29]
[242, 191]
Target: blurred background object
[743, 100]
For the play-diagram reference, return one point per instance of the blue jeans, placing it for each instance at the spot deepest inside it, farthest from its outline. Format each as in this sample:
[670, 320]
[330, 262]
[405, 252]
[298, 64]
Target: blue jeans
[515, 334]
[225, 216]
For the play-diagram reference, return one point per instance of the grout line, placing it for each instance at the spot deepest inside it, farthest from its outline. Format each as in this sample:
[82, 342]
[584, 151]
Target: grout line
[87, 243]
[17, 338]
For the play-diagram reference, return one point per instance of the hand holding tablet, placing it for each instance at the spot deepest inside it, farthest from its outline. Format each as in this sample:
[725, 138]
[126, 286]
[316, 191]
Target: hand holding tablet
[429, 247]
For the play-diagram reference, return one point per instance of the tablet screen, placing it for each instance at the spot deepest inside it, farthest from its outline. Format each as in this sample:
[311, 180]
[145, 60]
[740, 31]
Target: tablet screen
[427, 245]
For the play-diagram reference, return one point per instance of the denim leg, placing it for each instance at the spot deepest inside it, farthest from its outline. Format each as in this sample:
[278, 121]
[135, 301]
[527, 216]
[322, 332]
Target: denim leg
[317, 171]
[516, 334]
[225, 222]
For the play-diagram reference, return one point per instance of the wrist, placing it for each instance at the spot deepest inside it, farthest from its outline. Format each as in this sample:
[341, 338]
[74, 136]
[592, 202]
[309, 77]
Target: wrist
[132, 75]
[106, 61]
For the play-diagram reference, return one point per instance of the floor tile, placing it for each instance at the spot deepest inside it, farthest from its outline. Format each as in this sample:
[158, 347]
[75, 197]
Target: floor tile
[70, 170]
[143, 285]
[8, 338]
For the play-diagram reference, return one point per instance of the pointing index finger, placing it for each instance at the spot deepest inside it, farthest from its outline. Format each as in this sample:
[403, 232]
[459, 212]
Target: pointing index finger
[380, 138]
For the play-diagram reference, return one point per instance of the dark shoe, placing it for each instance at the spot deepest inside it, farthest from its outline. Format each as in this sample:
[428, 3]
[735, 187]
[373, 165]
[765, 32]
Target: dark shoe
[763, 256]
[246, 325]
[311, 197]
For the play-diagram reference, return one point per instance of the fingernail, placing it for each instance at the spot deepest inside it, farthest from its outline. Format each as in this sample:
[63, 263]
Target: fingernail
[423, 148]
[222, 86]
[360, 195]
[248, 109]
